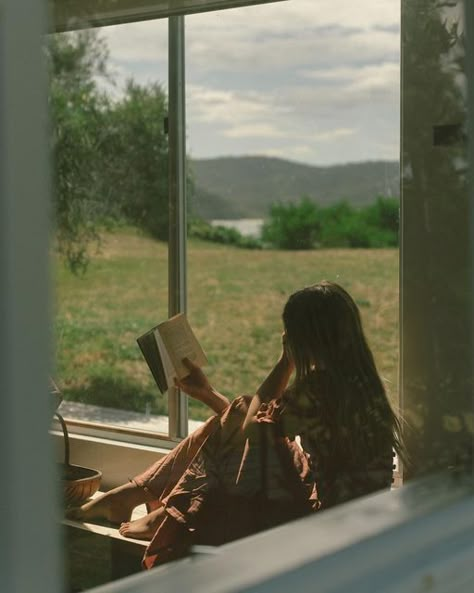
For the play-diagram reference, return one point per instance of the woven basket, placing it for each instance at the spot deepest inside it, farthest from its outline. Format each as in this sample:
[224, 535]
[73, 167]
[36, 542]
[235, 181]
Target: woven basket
[79, 483]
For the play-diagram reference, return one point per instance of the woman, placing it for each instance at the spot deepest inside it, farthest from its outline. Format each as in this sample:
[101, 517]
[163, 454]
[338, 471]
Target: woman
[243, 470]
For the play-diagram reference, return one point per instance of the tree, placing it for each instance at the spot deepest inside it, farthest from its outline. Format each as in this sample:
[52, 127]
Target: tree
[293, 226]
[77, 108]
[307, 225]
[110, 157]
[136, 150]
[384, 217]
[337, 223]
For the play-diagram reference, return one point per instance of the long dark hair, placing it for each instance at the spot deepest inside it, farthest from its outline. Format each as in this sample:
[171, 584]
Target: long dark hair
[336, 369]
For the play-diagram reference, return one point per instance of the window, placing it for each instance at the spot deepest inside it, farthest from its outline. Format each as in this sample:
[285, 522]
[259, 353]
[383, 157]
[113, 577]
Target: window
[436, 324]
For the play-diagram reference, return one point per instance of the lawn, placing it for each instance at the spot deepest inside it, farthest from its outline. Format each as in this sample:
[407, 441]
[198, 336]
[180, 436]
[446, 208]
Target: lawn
[235, 298]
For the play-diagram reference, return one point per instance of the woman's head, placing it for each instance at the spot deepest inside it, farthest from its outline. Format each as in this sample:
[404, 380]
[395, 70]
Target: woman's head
[324, 330]
[325, 338]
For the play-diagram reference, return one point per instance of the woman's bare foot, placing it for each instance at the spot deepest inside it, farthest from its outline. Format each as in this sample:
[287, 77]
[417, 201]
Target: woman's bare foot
[115, 506]
[145, 527]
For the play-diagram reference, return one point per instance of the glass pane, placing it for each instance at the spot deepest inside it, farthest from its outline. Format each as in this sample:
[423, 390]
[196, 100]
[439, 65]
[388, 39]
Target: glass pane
[108, 101]
[299, 106]
[437, 326]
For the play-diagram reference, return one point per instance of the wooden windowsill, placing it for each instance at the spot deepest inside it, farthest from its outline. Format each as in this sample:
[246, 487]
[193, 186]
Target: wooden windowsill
[108, 530]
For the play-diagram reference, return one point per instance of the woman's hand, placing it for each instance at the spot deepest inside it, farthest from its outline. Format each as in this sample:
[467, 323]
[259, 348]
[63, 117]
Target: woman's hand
[197, 385]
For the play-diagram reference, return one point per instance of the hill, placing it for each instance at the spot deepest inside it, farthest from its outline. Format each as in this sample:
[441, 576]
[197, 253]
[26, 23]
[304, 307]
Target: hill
[245, 187]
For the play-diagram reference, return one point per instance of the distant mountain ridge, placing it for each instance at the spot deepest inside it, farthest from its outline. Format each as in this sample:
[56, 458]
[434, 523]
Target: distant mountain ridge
[245, 187]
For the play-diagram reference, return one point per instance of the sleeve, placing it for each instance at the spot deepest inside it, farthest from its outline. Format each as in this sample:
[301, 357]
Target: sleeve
[297, 414]
[275, 412]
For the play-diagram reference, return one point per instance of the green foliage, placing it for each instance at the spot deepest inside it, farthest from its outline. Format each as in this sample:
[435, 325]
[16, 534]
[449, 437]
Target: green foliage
[384, 216]
[306, 225]
[77, 113]
[110, 157]
[338, 225]
[137, 156]
[200, 229]
[293, 226]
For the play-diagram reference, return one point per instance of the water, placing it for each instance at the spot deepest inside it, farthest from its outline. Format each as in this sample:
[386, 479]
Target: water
[249, 227]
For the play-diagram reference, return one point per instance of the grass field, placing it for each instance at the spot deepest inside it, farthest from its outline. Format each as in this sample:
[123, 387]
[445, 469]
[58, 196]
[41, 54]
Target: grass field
[235, 298]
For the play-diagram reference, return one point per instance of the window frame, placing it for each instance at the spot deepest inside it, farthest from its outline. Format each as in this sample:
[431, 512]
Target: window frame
[26, 288]
[68, 15]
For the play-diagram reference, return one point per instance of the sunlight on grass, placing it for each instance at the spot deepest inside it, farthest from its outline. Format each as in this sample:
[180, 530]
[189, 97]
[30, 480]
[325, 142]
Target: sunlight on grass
[235, 302]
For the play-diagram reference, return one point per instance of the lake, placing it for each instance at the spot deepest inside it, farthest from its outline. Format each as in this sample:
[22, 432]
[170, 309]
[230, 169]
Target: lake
[249, 227]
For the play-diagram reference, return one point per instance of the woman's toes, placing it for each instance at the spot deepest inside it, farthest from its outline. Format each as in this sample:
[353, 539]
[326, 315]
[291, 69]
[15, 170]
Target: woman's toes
[74, 513]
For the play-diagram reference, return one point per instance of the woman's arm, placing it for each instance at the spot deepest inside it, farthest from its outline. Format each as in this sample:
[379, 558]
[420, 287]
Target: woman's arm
[197, 385]
[274, 385]
[277, 380]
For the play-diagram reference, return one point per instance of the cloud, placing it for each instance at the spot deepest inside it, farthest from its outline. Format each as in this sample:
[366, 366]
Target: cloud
[335, 134]
[238, 51]
[299, 152]
[259, 130]
[357, 84]
[209, 104]
[290, 76]
[138, 42]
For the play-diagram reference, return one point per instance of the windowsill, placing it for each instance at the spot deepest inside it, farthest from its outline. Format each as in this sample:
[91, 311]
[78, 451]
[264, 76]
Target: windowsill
[139, 426]
[120, 444]
[105, 529]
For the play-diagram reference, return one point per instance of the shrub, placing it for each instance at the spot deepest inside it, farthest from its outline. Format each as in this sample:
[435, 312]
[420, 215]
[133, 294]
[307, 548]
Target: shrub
[384, 217]
[306, 225]
[293, 226]
[337, 224]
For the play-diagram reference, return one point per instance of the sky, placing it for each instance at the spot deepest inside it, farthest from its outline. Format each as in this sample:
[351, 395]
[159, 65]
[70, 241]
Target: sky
[314, 81]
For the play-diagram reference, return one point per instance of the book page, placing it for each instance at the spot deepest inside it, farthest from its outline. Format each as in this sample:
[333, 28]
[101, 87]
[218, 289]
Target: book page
[168, 367]
[180, 342]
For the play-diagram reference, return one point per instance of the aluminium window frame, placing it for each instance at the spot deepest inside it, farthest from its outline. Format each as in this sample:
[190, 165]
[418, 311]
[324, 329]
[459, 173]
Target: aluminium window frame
[69, 15]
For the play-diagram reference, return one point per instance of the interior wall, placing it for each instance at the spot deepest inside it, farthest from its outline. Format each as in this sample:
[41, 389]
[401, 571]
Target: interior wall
[117, 461]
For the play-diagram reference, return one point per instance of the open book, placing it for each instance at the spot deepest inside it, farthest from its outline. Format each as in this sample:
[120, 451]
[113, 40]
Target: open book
[164, 348]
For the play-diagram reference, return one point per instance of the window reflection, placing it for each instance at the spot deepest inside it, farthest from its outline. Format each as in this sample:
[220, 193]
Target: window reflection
[436, 263]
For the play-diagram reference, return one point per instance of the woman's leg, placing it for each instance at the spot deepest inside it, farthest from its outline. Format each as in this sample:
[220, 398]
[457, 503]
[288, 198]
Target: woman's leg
[145, 527]
[115, 505]
[186, 471]
[149, 487]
